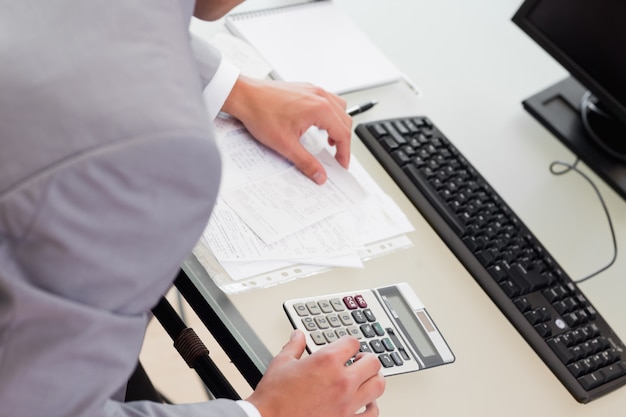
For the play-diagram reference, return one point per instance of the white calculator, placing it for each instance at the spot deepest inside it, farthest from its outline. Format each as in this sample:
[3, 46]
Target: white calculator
[389, 321]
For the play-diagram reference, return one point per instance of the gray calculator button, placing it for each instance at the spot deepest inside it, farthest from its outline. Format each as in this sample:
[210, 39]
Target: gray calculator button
[330, 335]
[313, 307]
[369, 315]
[342, 332]
[378, 329]
[386, 360]
[367, 330]
[309, 323]
[346, 319]
[318, 338]
[365, 347]
[333, 320]
[388, 344]
[396, 358]
[377, 346]
[354, 331]
[337, 304]
[325, 306]
[358, 316]
[322, 323]
[405, 355]
[301, 309]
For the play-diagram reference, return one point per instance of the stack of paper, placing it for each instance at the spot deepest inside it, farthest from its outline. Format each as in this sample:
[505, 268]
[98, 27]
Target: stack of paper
[270, 217]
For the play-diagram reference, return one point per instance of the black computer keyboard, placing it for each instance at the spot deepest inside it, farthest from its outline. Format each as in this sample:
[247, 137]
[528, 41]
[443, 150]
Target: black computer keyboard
[502, 254]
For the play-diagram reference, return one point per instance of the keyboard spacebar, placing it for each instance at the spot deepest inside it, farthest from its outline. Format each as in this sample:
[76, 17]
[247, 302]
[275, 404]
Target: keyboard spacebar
[430, 193]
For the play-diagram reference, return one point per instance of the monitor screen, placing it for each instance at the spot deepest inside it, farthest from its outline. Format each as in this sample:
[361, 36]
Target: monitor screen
[588, 38]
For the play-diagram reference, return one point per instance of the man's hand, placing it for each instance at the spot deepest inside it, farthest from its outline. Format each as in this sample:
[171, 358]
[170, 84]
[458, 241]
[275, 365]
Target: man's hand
[278, 113]
[321, 384]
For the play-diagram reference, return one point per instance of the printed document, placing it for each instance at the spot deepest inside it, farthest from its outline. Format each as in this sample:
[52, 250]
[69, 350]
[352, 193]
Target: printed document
[270, 216]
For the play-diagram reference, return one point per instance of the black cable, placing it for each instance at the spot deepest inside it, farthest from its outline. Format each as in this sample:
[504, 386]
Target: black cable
[573, 167]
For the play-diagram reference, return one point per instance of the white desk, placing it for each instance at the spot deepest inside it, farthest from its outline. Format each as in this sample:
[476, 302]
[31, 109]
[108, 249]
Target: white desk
[474, 67]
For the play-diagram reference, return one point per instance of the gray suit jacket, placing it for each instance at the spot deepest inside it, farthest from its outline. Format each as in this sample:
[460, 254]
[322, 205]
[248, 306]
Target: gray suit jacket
[108, 174]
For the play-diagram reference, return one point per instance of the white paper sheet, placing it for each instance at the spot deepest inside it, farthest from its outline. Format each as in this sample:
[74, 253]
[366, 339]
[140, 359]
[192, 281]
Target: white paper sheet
[339, 239]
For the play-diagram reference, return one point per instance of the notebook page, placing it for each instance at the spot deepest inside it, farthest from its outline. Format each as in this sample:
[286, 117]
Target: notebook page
[315, 42]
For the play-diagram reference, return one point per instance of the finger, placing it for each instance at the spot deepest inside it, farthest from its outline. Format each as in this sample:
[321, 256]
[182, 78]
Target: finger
[365, 366]
[339, 106]
[343, 349]
[342, 142]
[307, 163]
[331, 116]
[339, 123]
[342, 153]
[294, 348]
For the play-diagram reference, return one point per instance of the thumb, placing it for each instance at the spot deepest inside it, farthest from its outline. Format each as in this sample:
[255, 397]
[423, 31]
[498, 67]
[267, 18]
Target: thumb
[294, 348]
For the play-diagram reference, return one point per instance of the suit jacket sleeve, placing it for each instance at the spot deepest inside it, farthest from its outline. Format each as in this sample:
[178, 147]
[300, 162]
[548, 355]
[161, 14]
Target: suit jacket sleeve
[108, 175]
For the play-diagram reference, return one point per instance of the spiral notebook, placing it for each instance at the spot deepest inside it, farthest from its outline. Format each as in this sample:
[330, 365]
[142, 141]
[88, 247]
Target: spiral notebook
[315, 42]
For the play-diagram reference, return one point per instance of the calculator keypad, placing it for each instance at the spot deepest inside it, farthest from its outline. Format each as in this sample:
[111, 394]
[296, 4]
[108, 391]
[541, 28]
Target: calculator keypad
[327, 320]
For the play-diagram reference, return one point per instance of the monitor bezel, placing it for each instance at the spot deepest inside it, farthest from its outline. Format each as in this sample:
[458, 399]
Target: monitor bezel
[608, 100]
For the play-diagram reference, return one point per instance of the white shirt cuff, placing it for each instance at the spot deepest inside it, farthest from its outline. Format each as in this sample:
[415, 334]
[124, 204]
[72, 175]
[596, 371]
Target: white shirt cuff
[250, 409]
[220, 86]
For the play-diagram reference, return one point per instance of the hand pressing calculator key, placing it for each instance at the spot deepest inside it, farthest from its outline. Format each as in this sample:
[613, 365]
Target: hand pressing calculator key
[389, 321]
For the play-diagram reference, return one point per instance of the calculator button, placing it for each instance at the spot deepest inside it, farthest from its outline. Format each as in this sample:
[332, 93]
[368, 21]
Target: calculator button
[342, 332]
[313, 307]
[367, 330]
[325, 306]
[330, 335]
[354, 331]
[337, 304]
[365, 347]
[388, 344]
[358, 316]
[369, 315]
[350, 302]
[321, 322]
[346, 319]
[377, 346]
[386, 360]
[405, 355]
[396, 358]
[333, 320]
[318, 338]
[360, 301]
[396, 341]
[309, 324]
[378, 329]
[301, 309]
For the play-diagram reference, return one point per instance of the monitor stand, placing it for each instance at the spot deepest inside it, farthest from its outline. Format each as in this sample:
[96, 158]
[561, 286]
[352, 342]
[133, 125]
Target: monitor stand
[558, 109]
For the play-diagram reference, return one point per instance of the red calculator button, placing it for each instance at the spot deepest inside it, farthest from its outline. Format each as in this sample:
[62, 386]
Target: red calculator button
[350, 302]
[360, 301]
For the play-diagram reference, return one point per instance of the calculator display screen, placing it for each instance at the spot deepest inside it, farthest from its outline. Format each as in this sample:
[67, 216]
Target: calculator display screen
[411, 324]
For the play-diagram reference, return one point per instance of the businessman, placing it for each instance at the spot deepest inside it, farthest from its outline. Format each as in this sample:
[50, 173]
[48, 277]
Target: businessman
[108, 175]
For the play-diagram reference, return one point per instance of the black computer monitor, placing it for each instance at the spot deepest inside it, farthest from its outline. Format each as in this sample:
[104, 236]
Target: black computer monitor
[587, 111]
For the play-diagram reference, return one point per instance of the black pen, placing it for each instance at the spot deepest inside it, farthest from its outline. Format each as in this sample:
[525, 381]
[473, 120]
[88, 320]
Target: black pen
[352, 111]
